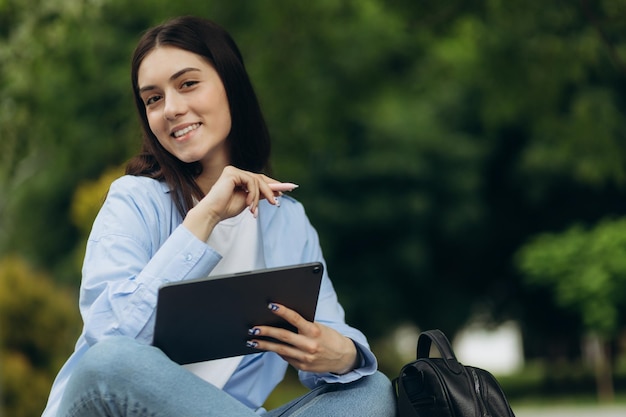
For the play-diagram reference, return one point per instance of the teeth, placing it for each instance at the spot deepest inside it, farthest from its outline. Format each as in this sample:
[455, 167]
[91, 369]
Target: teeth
[186, 130]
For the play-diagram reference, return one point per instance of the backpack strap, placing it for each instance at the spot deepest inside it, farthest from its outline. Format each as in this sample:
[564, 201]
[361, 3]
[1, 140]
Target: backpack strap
[443, 345]
[403, 386]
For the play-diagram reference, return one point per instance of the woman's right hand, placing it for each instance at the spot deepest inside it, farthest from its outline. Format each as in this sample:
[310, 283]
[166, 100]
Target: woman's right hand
[234, 191]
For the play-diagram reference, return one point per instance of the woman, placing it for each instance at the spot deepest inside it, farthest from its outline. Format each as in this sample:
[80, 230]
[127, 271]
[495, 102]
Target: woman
[193, 204]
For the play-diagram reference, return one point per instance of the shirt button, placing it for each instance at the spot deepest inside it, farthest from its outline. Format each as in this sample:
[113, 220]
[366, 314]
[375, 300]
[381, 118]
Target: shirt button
[188, 257]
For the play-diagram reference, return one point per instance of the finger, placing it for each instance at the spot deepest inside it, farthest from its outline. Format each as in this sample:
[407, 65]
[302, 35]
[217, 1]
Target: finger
[267, 192]
[258, 188]
[250, 184]
[282, 186]
[269, 180]
[292, 317]
[296, 357]
[268, 337]
[240, 180]
[288, 346]
[285, 336]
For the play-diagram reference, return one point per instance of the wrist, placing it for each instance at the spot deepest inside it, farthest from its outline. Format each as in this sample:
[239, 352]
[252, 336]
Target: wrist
[200, 224]
[355, 359]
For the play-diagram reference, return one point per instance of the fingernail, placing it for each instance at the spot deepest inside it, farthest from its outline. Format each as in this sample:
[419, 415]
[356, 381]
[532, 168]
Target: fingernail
[254, 331]
[272, 306]
[251, 344]
[277, 200]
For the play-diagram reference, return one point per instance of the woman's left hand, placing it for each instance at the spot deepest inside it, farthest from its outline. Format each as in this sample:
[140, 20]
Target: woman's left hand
[315, 348]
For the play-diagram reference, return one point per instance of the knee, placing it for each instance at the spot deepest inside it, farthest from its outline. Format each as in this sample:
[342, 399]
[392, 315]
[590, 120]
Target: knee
[380, 392]
[111, 359]
[380, 381]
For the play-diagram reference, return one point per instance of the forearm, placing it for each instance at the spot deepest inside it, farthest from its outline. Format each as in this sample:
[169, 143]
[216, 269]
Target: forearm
[121, 281]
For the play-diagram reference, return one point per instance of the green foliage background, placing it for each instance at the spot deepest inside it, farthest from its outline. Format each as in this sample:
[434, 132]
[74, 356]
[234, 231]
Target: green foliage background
[432, 140]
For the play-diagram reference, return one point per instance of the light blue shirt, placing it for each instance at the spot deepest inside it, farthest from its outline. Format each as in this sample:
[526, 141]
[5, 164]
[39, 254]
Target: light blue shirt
[137, 244]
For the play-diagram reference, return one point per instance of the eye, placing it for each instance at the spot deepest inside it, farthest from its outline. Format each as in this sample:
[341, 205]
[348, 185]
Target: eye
[152, 99]
[188, 84]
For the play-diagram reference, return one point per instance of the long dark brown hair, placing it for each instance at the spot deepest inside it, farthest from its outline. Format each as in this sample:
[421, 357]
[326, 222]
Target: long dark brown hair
[248, 140]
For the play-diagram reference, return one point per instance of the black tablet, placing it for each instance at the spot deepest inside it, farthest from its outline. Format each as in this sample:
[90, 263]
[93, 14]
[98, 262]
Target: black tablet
[209, 318]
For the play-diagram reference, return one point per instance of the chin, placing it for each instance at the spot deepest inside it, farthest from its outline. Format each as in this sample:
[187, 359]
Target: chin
[189, 160]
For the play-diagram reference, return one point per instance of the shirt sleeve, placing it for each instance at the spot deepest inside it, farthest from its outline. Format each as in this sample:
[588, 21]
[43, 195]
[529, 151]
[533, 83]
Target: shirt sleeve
[330, 313]
[329, 310]
[133, 249]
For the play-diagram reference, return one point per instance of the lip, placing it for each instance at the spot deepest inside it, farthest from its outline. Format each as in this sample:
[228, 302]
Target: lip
[182, 127]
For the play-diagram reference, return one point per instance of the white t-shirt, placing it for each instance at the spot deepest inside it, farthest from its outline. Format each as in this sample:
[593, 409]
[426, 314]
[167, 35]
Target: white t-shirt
[237, 240]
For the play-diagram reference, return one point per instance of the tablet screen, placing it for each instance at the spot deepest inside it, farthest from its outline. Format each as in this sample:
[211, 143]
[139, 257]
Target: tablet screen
[209, 318]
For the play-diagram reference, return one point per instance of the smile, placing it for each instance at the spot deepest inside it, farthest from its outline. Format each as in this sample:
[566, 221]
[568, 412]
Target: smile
[186, 130]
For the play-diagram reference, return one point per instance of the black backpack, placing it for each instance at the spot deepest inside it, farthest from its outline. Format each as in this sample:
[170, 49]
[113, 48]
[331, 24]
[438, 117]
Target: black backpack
[443, 387]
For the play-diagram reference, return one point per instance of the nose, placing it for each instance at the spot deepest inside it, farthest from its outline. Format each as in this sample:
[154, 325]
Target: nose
[175, 106]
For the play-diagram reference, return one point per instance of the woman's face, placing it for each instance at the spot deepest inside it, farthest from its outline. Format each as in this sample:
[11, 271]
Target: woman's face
[186, 105]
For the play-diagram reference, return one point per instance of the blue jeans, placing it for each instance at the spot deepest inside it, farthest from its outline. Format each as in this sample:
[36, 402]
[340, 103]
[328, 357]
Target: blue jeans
[120, 377]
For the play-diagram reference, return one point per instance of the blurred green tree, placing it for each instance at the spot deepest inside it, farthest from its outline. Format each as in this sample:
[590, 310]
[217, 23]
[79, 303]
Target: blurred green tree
[56, 80]
[586, 272]
[430, 140]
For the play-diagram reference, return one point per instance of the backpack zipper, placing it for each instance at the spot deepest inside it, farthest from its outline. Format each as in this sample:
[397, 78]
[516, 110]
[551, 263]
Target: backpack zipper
[481, 405]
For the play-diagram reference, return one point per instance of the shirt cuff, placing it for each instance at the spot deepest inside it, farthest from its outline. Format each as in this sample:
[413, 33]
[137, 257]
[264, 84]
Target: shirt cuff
[368, 366]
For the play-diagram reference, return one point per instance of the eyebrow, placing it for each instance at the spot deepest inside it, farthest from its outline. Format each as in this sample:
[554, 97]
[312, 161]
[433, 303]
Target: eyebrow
[174, 76]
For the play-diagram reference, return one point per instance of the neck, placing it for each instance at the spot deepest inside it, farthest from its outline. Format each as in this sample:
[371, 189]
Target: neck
[206, 181]
[211, 172]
